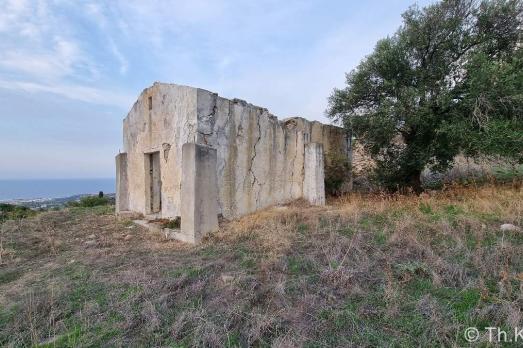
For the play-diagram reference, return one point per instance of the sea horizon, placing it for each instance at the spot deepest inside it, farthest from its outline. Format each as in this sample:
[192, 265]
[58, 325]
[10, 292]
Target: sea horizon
[25, 189]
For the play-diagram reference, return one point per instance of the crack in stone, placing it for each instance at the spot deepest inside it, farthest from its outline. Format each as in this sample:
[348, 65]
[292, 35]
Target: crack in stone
[190, 130]
[255, 180]
[239, 134]
[209, 120]
[221, 165]
[252, 159]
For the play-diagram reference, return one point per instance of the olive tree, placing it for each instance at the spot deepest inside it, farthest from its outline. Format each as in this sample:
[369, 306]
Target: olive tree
[449, 81]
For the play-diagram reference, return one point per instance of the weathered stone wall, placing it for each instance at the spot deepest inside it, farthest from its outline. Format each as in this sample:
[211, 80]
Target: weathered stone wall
[199, 192]
[313, 182]
[122, 185]
[260, 160]
[333, 139]
[164, 126]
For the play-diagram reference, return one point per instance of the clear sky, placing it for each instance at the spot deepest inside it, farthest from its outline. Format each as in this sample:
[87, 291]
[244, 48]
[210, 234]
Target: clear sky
[70, 69]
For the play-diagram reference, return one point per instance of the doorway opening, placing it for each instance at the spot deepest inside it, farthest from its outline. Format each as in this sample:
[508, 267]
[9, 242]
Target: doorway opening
[153, 183]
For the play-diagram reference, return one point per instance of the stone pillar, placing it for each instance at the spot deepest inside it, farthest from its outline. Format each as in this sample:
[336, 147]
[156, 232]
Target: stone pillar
[199, 194]
[313, 182]
[122, 187]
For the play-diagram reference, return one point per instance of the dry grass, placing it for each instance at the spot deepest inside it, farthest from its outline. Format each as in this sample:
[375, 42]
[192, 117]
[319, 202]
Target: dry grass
[368, 270]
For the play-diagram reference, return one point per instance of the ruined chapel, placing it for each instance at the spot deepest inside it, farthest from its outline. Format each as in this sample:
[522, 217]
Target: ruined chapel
[191, 155]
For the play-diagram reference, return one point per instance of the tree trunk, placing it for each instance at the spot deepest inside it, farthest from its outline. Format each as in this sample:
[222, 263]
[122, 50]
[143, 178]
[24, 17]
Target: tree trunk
[414, 181]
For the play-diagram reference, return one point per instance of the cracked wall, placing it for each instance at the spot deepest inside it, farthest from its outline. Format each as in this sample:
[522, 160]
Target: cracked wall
[164, 127]
[260, 160]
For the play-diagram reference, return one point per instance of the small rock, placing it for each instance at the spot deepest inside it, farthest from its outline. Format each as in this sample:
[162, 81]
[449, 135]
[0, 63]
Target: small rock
[71, 261]
[130, 227]
[128, 237]
[227, 278]
[91, 236]
[509, 227]
[90, 242]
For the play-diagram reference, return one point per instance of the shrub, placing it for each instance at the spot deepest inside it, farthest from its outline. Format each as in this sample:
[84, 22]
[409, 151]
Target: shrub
[90, 201]
[504, 174]
[173, 224]
[14, 212]
[337, 171]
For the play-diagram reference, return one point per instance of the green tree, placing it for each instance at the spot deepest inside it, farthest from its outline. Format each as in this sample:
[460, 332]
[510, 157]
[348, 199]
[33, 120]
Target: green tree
[449, 81]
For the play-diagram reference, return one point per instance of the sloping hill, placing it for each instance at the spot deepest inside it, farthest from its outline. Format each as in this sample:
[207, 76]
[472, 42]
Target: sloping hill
[364, 271]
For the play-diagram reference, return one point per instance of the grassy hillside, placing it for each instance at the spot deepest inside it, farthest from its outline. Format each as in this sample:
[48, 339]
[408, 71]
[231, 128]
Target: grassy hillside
[364, 271]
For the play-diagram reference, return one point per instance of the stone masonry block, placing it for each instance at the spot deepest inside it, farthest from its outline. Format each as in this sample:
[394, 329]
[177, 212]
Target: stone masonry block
[122, 193]
[199, 192]
[313, 183]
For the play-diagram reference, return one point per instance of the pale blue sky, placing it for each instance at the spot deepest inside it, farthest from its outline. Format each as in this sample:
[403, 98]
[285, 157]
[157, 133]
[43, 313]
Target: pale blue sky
[70, 70]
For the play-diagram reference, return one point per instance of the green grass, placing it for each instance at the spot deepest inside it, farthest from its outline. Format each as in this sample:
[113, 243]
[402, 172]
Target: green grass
[372, 221]
[380, 238]
[364, 320]
[347, 231]
[69, 339]
[399, 272]
[131, 291]
[9, 276]
[303, 228]
[299, 265]
[247, 258]
[233, 340]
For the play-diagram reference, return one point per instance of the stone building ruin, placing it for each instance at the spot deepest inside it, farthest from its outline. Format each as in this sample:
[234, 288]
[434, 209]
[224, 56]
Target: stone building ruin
[191, 155]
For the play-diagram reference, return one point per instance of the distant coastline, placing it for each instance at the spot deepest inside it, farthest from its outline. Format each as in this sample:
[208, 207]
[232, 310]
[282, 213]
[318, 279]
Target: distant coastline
[45, 189]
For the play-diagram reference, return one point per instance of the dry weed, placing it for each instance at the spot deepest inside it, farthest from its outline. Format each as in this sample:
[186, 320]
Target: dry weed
[367, 270]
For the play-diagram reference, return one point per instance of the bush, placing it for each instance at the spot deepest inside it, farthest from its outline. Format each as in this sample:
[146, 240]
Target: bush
[14, 212]
[504, 174]
[90, 201]
[337, 171]
[173, 224]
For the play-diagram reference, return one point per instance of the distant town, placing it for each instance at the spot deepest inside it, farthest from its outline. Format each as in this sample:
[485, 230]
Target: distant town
[50, 203]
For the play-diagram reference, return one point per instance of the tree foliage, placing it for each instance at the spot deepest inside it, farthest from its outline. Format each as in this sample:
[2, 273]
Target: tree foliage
[449, 81]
